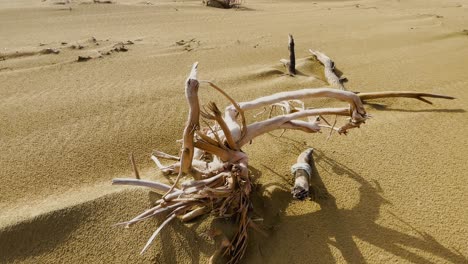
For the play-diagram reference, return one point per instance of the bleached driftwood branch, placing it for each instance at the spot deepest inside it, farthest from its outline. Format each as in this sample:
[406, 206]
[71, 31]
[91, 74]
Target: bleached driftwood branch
[213, 155]
[329, 65]
[193, 124]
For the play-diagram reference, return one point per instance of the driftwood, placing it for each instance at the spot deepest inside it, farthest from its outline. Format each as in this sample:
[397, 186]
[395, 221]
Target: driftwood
[212, 154]
[305, 185]
[291, 63]
[330, 74]
[302, 172]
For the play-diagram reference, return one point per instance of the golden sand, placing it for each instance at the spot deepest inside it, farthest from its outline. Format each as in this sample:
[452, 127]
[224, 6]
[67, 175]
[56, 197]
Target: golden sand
[399, 184]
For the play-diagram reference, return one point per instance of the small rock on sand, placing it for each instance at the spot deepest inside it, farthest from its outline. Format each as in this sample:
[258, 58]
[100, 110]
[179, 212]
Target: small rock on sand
[50, 51]
[83, 58]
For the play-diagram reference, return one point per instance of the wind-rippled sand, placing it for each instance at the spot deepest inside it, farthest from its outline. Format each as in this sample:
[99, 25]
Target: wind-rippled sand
[398, 185]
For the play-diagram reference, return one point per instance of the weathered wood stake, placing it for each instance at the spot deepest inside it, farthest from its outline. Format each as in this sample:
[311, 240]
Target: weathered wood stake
[291, 63]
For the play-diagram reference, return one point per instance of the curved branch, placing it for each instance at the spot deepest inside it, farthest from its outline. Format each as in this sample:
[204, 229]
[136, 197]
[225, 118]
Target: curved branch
[302, 173]
[346, 96]
[262, 127]
[329, 65]
[193, 123]
[307, 127]
[232, 114]
[222, 124]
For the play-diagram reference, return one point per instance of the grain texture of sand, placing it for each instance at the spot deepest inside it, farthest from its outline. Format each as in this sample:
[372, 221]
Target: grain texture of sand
[398, 185]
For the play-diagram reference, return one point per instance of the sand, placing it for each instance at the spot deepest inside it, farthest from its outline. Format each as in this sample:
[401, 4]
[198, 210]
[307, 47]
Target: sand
[398, 185]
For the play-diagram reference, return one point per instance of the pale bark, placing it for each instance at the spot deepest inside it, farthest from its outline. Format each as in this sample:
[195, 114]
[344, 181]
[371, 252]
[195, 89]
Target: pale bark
[216, 115]
[345, 96]
[231, 113]
[302, 172]
[329, 70]
[193, 124]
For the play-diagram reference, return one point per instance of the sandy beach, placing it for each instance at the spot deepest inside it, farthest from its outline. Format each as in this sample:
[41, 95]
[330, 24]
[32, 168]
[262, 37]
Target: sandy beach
[83, 84]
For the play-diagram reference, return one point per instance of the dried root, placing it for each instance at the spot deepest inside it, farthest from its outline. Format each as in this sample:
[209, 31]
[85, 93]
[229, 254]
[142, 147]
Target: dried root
[212, 155]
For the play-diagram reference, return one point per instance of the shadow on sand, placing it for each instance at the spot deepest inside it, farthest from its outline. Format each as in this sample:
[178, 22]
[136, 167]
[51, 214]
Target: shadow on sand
[311, 236]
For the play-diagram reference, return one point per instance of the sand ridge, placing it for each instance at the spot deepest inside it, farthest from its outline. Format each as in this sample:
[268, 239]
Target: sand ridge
[398, 185]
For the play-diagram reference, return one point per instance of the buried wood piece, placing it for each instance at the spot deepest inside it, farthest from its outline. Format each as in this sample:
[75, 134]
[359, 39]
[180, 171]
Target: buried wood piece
[302, 172]
[291, 63]
[329, 70]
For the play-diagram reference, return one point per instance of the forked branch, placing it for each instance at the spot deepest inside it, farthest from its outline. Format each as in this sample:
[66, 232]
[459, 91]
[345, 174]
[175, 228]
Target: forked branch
[231, 114]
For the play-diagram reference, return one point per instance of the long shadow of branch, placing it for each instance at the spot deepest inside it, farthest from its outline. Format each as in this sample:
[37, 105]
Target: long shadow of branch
[362, 219]
[383, 107]
[332, 227]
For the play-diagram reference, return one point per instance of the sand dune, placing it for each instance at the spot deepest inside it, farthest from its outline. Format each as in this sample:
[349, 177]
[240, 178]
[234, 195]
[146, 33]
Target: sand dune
[398, 185]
